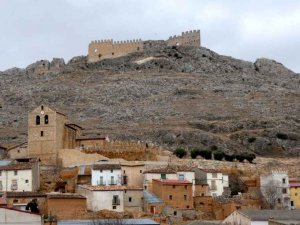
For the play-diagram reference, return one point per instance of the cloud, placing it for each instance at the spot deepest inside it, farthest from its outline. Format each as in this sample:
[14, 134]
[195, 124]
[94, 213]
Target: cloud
[33, 30]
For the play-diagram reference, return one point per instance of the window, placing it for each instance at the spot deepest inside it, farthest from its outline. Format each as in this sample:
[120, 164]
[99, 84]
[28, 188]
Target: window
[173, 186]
[129, 199]
[124, 171]
[185, 197]
[116, 200]
[283, 180]
[138, 48]
[202, 194]
[187, 206]
[37, 120]
[15, 201]
[296, 194]
[42, 133]
[214, 175]
[1, 186]
[114, 207]
[100, 171]
[112, 180]
[0, 173]
[213, 185]
[42, 107]
[16, 172]
[111, 171]
[181, 177]
[46, 119]
[185, 187]
[141, 171]
[170, 197]
[145, 187]
[284, 191]
[26, 181]
[163, 176]
[279, 200]
[101, 180]
[175, 213]
[14, 185]
[112, 53]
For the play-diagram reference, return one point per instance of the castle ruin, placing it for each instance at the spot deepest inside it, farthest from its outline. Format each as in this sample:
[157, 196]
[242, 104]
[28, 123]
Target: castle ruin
[104, 49]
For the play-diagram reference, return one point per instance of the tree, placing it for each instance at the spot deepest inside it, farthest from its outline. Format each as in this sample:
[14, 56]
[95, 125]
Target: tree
[180, 152]
[271, 194]
[194, 153]
[218, 155]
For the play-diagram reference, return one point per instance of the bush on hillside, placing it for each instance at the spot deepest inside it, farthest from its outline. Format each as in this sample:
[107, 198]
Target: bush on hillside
[206, 154]
[194, 153]
[218, 155]
[180, 152]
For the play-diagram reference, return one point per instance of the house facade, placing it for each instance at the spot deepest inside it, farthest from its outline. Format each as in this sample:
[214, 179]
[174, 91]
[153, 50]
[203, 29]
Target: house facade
[20, 177]
[106, 174]
[215, 180]
[275, 189]
[110, 197]
[174, 193]
[295, 194]
[132, 173]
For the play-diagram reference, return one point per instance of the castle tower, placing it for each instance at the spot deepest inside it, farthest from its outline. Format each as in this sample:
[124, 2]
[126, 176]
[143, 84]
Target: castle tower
[48, 132]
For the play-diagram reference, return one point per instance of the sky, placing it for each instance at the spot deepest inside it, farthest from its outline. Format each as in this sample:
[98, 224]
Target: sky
[32, 30]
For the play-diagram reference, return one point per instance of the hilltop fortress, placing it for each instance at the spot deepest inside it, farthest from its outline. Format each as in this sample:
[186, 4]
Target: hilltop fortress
[103, 49]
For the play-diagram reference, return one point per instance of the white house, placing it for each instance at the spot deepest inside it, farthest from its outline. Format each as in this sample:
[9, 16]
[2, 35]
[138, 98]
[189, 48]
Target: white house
[20, 177]
[103, 197]
[275, 189]
[217, 181]
[106, 173]
[260, 217]
[15, 217]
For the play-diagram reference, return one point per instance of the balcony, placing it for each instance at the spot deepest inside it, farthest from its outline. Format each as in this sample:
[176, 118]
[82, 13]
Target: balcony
[113, 182]
[116, 201]
[101, 182]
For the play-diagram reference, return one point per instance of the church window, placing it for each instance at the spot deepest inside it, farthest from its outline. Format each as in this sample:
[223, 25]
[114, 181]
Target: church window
[46, 119]
[37, 120]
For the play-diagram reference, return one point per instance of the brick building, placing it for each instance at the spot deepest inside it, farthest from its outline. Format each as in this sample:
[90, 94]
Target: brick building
[174, 193]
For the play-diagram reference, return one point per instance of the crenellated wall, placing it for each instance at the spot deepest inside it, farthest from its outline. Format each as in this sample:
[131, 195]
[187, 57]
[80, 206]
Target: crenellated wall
[104, 49]
[188, 38]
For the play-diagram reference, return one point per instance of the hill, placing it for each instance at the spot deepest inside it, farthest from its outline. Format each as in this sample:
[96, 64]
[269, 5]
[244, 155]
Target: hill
[171, 96]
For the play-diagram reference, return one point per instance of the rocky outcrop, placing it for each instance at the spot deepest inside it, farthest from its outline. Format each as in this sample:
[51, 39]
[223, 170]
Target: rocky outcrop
[170, 96]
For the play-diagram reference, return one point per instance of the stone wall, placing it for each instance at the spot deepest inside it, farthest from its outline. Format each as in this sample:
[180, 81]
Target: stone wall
[188, 38]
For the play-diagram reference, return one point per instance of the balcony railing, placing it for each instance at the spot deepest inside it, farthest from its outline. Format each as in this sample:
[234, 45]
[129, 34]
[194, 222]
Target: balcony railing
[113, 182]
[116, 201]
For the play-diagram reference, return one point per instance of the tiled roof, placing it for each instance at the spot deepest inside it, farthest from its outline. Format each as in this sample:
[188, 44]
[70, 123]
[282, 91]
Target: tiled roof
[171, 181]
[64, 196]
[294, 183]
[128, 163]
[90, 138]
[106, 166]
[103, 187]
[264, 215]
[11, 194]
[17, 166]
[161, 170]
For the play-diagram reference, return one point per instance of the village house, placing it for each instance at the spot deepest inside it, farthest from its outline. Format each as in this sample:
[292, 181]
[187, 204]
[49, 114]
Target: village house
[66, 206]
[18, 151]
[110, 197]
[174, 193]
[260, 217]
[132, 173]
[19, 200]
[216, 181]
[275, 189]
[152, 203]
[295, 193]
[133, 199]
[15, 216]
[106, 173]
[23, 176]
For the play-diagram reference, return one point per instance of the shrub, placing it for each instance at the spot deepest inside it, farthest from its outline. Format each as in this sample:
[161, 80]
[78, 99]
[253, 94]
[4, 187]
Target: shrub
[214, 148]
[282, 136]
[205, 154]
[194, 153]
[239, 157]
[218, 155]
[251, 139]
[179, 152]
[249, 157]
[229, 158]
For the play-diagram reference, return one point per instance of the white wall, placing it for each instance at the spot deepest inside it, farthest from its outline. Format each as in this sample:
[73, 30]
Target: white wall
[220, 181]
[106, 174]
[21, 177]
[14, 217]
[99, 200]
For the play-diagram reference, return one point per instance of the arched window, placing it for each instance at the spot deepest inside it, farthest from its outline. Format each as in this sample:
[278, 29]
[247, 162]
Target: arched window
[37, 120]
[46, 119]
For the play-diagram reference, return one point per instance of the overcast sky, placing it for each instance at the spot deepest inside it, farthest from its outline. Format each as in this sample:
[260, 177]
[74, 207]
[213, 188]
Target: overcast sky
[35, 29]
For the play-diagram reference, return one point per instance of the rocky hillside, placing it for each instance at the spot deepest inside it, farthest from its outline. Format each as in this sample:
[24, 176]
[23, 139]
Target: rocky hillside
[171, 96]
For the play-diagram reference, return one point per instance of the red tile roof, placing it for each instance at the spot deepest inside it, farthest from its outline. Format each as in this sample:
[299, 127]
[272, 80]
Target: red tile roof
[64, 196]
[172, 182]
[294, 183]
[24, 194]
[17, 166]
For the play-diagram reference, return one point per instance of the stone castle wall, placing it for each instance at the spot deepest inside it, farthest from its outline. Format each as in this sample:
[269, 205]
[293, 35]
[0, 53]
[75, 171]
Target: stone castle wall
[103, 49]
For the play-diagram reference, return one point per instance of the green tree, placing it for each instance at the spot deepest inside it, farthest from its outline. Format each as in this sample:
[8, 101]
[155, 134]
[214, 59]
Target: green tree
[180, 152]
